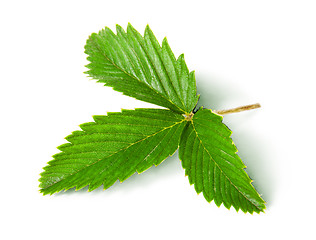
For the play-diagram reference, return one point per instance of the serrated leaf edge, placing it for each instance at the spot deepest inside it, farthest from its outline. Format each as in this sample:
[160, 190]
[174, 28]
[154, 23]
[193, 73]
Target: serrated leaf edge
[128, 74]
[260, 210]
[65, 189]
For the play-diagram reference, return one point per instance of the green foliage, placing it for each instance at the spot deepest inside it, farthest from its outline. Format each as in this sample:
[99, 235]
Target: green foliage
[141, 68]
[115, 146]
[209, 158]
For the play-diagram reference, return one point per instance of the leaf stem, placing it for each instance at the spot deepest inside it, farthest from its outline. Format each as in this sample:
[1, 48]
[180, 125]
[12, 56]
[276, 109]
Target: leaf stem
[238, 109]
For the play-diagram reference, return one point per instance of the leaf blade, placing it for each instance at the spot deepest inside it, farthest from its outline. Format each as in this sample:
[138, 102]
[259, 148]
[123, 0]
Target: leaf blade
[141, 68]
[98, 155]
[224, 179]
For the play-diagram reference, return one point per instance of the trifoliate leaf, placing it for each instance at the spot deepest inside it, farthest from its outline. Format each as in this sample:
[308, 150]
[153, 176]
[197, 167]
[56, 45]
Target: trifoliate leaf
[113, 147]
[139, 67]
[209, 158]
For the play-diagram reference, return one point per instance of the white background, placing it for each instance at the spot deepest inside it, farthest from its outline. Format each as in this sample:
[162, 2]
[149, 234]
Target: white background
[242, 51]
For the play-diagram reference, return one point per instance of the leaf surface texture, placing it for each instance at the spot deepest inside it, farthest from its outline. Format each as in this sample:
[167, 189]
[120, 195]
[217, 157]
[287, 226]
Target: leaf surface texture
[209, 158]
[113, 147]
[139, 67]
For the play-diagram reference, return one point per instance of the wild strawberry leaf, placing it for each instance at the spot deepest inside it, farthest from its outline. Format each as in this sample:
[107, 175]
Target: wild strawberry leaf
[139, 67]
[112, 148]
[115, 146]
[209, 158]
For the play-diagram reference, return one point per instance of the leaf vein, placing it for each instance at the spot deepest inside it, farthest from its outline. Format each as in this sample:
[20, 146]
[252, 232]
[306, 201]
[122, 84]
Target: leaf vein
[222, 170]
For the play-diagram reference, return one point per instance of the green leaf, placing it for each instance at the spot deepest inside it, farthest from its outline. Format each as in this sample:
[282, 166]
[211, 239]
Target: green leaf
[113, 147]
[139, 67]
[209, 158]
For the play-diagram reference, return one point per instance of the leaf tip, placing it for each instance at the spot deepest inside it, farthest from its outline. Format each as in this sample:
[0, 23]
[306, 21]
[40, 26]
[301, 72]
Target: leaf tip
[148, 30]
[131, 29]
[147, 27]
[164, 42]
[119, 29]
